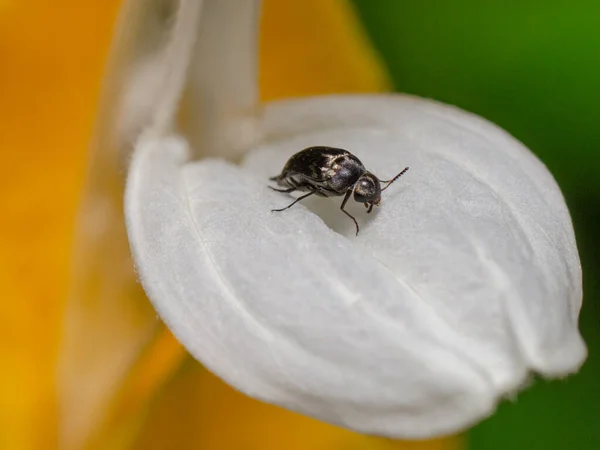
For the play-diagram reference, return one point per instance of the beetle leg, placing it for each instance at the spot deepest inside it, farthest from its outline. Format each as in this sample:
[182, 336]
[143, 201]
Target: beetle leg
[294, 202]
[370, 208]
[346, 197]
[292, 189]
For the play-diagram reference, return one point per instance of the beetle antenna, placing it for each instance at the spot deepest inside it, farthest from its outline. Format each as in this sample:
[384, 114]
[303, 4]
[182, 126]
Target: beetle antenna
[393, 179]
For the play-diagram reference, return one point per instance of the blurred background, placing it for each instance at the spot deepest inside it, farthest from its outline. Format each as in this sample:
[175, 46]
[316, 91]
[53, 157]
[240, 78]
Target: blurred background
[532, 67]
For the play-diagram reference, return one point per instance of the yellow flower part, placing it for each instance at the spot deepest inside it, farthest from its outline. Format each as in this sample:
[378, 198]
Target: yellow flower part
[100, 371]
[314, 47]
[52, 57]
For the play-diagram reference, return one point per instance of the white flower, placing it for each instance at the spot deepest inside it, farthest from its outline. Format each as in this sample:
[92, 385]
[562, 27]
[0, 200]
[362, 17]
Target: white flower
[465, 280]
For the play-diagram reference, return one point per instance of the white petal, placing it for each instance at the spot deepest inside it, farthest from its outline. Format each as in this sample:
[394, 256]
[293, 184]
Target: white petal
[465, 280]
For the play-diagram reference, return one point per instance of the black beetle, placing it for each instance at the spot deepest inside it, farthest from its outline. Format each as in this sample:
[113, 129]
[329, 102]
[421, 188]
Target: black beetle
[331, 172]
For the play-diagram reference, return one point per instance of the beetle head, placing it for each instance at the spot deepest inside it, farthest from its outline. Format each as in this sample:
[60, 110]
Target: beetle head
[367, 189]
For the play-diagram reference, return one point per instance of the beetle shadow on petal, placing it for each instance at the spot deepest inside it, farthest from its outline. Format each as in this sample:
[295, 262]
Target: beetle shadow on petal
[328, 209]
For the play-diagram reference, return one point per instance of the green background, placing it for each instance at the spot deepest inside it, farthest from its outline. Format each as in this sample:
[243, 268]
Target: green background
[533, 68]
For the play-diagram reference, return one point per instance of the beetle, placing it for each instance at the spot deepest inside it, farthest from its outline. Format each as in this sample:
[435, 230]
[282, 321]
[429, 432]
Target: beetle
[331, 172]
